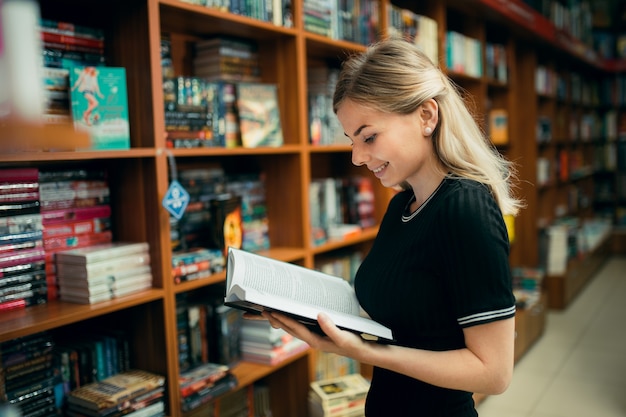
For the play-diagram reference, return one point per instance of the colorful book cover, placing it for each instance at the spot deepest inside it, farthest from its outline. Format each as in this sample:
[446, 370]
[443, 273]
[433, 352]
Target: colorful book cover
[259, 115]
[100, 105]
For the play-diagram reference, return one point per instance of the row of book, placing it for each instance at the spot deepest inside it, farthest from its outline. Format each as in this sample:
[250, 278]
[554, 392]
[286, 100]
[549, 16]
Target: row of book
[211, 332]
[340, 207]
[57, 241]
[44, 212]
[351, 20]
[324, 127]
[22, 256]
[574, 88]
[277, 12]
[80, 88]
[208, 331]
[41, 370]
[583, 127]
[217, 203]
[415, 28]
[209, 113]
[570, 238]
[463, 54]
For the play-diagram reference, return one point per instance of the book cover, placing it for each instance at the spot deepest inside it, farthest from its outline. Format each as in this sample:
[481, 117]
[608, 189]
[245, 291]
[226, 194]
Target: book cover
[333, 391]
[210, 392]
[227, 222]
[200, 377]
[343, 396]
[259, 115]
[499, 126]
[115, 389]
[100, 105]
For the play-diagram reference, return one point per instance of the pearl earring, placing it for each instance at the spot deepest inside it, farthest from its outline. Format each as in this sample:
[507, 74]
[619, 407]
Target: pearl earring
[428, 131]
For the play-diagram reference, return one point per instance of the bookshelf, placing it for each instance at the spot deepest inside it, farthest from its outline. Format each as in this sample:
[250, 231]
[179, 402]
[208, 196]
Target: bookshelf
[139, 176]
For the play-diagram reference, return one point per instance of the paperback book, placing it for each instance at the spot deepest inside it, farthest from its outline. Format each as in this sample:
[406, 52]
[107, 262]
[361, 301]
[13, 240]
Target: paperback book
[338, 397]
[100, 105]
[115, 390]
[259, 115]
[256, 283]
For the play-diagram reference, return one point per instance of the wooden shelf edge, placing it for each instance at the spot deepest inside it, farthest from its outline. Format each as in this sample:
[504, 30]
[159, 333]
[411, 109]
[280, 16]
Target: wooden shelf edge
[249, 372]
[54, 314]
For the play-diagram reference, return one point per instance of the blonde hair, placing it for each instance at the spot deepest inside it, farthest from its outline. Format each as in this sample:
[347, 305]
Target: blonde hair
[394, 76]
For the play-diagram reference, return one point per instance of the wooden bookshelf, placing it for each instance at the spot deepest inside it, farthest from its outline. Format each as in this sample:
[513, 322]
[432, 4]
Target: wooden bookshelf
[139, 176]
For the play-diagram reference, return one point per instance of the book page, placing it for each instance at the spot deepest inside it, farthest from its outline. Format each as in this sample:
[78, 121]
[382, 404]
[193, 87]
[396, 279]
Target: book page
[255, 283]
[280, 279]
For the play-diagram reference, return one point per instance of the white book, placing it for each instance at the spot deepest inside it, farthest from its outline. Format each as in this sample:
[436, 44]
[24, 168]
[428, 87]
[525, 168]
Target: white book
[115, 276]
[111, 266]
[338, 397]
[104, 279]
[113, 287]
[101, 252]
[255, 283]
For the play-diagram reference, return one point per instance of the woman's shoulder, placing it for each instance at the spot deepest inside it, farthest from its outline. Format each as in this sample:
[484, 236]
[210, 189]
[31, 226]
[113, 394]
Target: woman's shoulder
[465, 197]
[459, 183]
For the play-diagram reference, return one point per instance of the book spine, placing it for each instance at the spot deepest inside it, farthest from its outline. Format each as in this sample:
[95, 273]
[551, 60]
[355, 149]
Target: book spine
[47, 36]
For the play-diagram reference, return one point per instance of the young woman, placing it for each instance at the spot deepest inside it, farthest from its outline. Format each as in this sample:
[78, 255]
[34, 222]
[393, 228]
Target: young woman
[438, 272]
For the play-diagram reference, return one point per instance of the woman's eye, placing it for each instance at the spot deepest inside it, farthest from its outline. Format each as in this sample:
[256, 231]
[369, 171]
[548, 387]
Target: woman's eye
[369, 139]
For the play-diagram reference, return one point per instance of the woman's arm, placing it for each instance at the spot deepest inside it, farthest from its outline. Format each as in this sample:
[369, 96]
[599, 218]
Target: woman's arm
[484, 366]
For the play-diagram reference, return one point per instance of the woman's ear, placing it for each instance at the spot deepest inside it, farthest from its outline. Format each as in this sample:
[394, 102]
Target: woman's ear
[429, 113]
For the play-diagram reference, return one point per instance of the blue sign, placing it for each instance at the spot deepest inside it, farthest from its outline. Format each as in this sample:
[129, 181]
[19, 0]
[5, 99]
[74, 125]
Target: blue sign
[176, 199]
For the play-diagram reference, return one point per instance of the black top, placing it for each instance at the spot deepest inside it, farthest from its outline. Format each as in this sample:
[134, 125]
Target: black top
[429, 276]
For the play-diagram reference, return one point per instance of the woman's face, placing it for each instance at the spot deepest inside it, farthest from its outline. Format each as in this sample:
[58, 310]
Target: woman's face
[392, 146]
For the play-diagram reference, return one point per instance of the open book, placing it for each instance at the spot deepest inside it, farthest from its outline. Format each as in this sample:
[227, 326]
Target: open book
[255, 283]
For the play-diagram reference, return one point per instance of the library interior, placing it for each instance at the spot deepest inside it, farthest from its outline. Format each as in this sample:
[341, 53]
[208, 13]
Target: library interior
[141, 139]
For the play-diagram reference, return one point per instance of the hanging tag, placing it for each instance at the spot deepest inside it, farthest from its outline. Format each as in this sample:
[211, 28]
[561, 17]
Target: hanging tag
[176, 199]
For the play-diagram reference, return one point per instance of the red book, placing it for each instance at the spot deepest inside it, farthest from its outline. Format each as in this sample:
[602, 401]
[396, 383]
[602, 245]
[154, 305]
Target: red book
[74, 214]
[71, 40]
[19, 175]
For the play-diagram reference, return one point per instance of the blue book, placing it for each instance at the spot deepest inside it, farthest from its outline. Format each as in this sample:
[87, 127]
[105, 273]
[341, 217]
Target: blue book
[100, 105]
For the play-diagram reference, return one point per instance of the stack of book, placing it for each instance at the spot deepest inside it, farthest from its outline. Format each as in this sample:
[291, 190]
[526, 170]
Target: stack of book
[22, 274]
[65, 45]
[338, 397]
[103, 272]
[196, 263]
[261, 343]
[202, 384]
[28, 376]
[227, 58]
[75, 213]
[131, 393]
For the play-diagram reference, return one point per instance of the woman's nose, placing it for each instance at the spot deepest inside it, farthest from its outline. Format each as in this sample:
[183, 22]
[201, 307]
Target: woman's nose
[359, 156]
